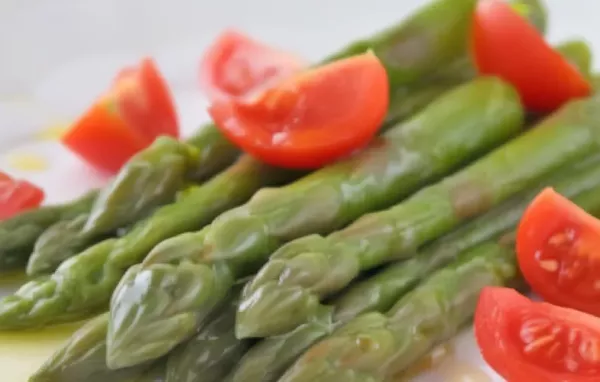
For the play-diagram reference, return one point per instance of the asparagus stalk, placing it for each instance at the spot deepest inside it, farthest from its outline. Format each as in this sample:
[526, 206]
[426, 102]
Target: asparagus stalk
[151, 178]
[268, 359]
[288, 290]
[18, 234]
[59, 242]
[83, 358]
[458, 127]
[210, 353]
[376, 346]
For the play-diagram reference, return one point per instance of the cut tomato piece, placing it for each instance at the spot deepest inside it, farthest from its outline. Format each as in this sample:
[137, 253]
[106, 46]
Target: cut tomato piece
[312, 118]
[527, 341]
[136, 110]
[558, 248]
[236, 66]
[17, 196]
[506, 45]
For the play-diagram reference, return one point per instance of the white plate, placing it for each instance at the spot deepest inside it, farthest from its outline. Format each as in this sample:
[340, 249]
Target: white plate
[58, 55]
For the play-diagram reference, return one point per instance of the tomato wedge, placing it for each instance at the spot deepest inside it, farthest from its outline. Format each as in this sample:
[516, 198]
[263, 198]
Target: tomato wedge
[527, 341]
[313, 117]
[506, 45]
[236, 66]
[126, 119]
[17, 196]
[558, 248]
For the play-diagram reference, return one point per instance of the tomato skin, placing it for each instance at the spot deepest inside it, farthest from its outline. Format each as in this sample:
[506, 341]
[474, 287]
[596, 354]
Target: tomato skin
[137, 109]
[506, 45]
[237, 66]
[17, 196]
[312, 118]
[558, 245]
[527, 341]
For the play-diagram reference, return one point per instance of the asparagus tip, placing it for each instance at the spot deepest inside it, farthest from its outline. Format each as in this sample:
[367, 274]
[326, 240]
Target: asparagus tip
[274, 309]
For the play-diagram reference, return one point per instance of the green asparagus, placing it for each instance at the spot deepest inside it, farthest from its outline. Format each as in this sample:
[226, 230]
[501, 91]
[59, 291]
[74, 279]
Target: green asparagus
[452, 130]
[212, 352]
[579, 54]
[83, 284]
[150, 179]
[268, 359]
[376, 346]
[18, 234]
[288, 290]
[59, 242]
[83, 358]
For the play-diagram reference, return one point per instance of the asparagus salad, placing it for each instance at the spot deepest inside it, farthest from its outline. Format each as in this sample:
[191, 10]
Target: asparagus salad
[336, 220]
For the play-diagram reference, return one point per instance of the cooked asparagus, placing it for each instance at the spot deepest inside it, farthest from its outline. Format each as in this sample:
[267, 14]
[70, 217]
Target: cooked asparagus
[452, 130]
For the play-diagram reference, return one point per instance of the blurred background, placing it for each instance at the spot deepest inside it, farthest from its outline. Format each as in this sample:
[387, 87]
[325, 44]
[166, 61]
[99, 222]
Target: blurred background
[58, 55]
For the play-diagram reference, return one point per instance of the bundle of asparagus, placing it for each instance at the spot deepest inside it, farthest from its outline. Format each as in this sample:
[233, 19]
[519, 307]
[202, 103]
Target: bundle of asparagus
[199, 205]
[83, 358]
[173, 317]
[452, 130]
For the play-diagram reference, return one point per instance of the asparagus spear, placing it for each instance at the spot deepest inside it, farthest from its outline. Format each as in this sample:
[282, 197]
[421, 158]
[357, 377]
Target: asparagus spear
[149, 179]
[59, 242]
[288, 290]
[268, 359]
[18, 234]
[84, 283]
[452, 130]
[376, 346]
[83, 358]
[212, 352]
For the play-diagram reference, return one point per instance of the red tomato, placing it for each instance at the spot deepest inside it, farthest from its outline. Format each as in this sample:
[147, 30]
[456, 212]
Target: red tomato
[17, 196]
[236, 66]
[527, 341]
[558, 248]
[506, 45]
[312, 118]
[137, 109]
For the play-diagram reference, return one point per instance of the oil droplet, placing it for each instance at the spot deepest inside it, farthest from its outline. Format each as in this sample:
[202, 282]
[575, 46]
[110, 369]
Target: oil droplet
[52, 133]
[436, 357]
[459, 371]
[28, 162]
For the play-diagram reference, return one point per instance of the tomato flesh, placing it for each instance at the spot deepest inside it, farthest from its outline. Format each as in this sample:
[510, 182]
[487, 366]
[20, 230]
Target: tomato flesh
[535, 341]
[558, 249]
[126, 119]
[312, 118]
[17, 196]
[236, 66]
[506, 45]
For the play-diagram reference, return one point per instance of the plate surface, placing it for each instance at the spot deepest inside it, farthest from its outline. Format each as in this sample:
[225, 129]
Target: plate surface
[57, 56]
